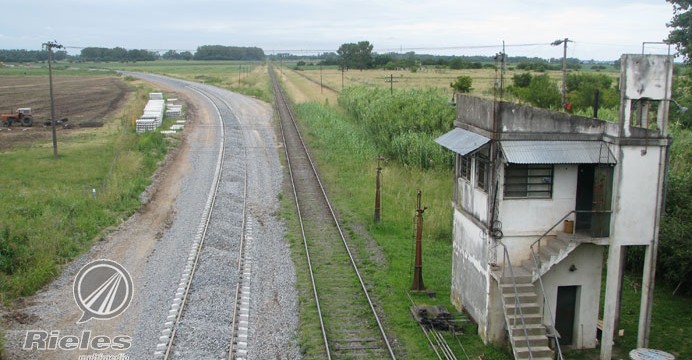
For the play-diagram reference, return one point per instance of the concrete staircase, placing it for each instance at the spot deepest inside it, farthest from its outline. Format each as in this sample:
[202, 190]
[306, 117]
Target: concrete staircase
[531, 333]
[552, 251]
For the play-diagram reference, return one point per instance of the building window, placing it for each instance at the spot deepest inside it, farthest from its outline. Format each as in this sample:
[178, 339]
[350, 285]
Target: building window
[528, 181]
[482, 172]
[465, 167]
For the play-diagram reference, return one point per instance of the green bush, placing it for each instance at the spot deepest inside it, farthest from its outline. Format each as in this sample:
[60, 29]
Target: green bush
[541, 92]
[403, 125]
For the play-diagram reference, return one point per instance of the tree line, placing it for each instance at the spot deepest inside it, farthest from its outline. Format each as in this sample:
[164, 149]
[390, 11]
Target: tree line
[119, 54]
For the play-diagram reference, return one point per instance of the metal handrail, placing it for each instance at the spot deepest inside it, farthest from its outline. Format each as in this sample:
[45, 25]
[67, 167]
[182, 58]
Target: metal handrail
[550, 309]
[538, 241]
[517, 303]
[535, 255]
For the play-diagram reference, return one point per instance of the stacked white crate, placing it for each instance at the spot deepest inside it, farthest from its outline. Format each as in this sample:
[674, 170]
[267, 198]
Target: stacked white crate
[152, 116]
[174, 110]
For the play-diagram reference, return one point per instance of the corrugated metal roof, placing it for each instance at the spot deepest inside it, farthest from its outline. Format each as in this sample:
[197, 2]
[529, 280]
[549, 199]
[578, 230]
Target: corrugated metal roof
[462, 141]
[557, 152]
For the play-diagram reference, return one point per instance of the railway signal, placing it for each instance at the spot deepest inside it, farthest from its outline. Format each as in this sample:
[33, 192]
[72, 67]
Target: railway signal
[418, 264]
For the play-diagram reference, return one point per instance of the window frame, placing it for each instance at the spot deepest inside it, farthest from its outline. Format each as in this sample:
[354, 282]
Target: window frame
[482, 165]
[464, 170]
[538, 181]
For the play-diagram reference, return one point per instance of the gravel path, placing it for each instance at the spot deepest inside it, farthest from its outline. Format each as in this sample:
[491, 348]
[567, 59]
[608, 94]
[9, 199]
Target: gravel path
[154, 249]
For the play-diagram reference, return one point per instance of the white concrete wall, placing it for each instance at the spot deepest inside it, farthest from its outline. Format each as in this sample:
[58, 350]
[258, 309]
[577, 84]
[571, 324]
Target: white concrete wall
[525, 220]
[588, 260]
[470, 271]
[635, 186]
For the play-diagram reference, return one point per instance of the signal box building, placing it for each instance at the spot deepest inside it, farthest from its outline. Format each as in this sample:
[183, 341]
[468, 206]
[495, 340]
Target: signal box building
[545, 200]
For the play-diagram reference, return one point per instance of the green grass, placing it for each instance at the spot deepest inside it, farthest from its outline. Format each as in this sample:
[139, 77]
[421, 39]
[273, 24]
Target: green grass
[55, 209]
[671, 319]
[347, 162]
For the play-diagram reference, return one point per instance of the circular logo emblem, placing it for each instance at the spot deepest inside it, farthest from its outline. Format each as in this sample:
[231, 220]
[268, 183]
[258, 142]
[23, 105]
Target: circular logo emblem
[102, 289]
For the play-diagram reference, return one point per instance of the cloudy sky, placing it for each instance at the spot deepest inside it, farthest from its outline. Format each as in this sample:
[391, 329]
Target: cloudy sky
[600, 29]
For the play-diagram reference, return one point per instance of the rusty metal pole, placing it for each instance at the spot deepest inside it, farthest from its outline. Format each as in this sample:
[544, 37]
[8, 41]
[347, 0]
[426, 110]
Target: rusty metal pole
[418, 264]
[377, 191]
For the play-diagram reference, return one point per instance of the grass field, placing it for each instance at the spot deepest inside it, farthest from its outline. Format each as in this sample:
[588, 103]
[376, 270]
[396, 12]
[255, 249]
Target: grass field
[484, 80]
[55, 209]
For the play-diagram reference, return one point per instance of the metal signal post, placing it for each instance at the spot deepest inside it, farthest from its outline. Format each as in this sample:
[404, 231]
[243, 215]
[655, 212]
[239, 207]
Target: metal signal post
[418, 264]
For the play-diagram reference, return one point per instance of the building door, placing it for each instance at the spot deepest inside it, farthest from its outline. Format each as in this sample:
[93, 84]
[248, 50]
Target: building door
[584, 196]
[565, 313]
[602, 200]
[594, 195]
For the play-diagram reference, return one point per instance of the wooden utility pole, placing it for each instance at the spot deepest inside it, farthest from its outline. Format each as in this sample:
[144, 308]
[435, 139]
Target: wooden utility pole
[50, 45]
[418, 264]
[564, 65]
[390, 80]
[377, 191]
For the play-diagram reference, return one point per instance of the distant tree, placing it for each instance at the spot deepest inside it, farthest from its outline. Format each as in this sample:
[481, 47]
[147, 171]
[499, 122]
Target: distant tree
[358, 56]
[462, 84]
[381, 60]
[581, 88]
[220, 52]
[541, 92]
[522, 80]
[681, 35]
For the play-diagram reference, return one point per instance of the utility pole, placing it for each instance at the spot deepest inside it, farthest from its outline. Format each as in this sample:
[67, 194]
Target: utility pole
[50, 45]
[321, 86]
[418, 264]
[377, 191]
[564, 64]
[391, 81]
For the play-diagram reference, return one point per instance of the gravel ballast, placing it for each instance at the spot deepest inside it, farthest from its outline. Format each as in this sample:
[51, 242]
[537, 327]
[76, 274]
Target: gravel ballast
[156, 262]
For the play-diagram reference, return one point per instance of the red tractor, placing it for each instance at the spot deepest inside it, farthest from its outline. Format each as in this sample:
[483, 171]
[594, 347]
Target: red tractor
[23, 117]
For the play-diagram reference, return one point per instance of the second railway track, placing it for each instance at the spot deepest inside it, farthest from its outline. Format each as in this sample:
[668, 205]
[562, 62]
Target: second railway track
[350, 325]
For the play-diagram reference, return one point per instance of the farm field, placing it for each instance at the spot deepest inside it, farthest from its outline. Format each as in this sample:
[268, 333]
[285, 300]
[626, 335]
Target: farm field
[484, 80]
[78, 98]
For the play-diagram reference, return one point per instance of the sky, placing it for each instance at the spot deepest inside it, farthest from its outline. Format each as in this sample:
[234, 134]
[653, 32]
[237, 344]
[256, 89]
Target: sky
[600, 30]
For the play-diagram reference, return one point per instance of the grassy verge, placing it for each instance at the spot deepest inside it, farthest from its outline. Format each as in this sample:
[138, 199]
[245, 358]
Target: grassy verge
[347, 163]
[55, 209]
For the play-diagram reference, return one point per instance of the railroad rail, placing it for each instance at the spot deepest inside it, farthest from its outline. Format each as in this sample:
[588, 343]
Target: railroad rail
[350, 326]
[238, 297]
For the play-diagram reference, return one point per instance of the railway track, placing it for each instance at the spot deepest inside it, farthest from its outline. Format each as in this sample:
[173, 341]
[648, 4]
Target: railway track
[209, 314]
[349, 324]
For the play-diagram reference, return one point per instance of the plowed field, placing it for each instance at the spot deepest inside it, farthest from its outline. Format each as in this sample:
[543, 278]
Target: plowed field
[80, 99]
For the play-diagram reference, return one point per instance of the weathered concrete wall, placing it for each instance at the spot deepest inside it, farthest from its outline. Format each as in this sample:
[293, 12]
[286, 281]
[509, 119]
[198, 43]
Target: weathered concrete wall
[517, 122]
[635, 187]
[470, 270]
[588, 260]
[528, 216]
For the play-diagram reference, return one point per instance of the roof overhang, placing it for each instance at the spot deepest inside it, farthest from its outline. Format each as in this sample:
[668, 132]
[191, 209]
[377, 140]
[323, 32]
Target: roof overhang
[557, 152]
[462, 141]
